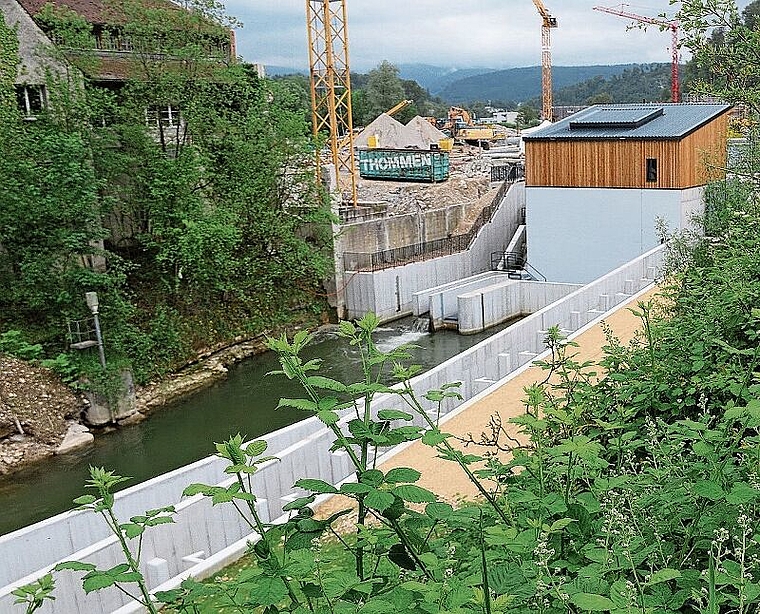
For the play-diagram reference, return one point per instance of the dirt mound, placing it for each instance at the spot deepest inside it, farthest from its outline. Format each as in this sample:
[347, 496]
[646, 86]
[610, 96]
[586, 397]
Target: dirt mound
[32, 400]
[422, 133]
[391, 134]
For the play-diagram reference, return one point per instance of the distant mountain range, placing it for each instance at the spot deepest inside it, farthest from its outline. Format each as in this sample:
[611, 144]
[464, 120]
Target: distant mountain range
[437, 78]
[571, 84]
[521, 84]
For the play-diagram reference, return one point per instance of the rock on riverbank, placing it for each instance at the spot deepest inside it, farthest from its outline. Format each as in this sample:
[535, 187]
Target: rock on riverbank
[36, 410]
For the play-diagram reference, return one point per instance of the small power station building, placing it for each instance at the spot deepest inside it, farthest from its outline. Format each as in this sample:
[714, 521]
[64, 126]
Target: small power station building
[597, 181]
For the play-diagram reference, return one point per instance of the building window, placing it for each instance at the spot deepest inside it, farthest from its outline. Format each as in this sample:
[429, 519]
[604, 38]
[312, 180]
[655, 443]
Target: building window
[168, 116]
[31, 99]
[651, 170]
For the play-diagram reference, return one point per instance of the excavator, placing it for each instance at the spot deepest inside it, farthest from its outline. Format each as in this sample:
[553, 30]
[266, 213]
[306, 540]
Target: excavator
[463, 128]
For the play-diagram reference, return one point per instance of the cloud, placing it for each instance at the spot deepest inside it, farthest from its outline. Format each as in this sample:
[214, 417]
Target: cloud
[467, 33]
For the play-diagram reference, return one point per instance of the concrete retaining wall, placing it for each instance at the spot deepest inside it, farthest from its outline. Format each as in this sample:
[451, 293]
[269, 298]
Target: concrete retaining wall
[389, 232]
[491, 305]
[303, 452]
[390, 293]
[441, 302]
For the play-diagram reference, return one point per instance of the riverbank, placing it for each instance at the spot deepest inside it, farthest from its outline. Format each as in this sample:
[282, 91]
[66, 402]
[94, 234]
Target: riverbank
[37, 410]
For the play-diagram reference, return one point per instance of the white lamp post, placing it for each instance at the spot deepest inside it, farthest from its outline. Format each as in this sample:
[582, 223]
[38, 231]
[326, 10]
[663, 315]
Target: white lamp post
[92, 303]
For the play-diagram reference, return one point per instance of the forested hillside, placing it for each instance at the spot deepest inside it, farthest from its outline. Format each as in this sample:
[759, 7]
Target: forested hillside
[202, 223]
[650, 83]
[515, 85]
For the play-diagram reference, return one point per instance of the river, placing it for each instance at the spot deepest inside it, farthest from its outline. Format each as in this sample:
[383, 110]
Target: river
[184, 432]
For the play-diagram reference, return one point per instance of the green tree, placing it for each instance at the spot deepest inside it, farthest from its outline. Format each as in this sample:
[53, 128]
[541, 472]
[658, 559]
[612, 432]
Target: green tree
[724, 46]
[527, 116]
[384, 89]
[210, 208]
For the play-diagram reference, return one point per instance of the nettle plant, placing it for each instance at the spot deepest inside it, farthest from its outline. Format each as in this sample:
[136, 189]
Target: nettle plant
[632, 487]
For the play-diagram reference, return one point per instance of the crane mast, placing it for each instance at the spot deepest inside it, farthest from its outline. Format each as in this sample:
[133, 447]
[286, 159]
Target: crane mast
[548, 22]
[330, 80]
[672, 25]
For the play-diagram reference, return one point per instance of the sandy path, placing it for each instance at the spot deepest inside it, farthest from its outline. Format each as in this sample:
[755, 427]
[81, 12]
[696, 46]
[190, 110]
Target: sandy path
[446, 478]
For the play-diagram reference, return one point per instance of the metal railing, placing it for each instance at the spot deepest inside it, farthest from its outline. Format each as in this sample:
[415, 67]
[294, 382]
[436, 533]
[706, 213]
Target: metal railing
[419, 252]
[514, 262]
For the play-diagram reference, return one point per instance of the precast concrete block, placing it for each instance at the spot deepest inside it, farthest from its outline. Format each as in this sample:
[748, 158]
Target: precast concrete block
[504, 364]
[525, 357]
[575, 320]
[157, 572]
[482, 383]
[342, 467]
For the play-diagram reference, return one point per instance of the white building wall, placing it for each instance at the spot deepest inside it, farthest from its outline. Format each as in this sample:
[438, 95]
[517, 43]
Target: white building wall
[578, 234]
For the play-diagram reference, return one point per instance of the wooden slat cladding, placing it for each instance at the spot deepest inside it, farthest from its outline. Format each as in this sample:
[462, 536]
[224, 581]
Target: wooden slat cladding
[690, 162]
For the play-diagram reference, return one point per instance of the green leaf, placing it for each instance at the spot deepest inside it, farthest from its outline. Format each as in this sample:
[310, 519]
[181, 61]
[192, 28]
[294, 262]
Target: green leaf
[560, 524]
[256, 448]
[132, 530]
[595, 603]
[318, 486]
[128, 576]
[268, 591]
[379, 500]
[96, 581]
[355, 489]
[434, 437]
[701, 448]
[402, 474]
[709, 490]
[439, 511]
[741, 493]
[663, 575]
[302, 404]
[325, 383]
[298, 503]
[74, 566]
[328, 417]
[195, 489]
[400, 557]
[414, 494]
[85, 500]
[394, 414]
[152, 522]
[372, 477]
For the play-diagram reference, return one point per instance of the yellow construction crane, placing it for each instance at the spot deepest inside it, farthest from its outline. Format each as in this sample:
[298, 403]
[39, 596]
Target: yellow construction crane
[330, 80]
[548, 22]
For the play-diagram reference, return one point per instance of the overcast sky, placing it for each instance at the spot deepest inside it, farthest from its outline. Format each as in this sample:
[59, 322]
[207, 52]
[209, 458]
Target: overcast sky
[462, 34]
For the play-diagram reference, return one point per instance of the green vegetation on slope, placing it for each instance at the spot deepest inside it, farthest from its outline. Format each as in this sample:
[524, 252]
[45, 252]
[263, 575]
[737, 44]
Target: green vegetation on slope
[201, 224]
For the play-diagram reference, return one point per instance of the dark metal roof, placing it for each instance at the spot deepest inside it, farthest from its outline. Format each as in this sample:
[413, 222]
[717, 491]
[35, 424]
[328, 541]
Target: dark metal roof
[632, 121]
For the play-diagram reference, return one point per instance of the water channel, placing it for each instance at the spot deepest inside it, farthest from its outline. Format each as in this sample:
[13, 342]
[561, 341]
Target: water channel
[184, 432]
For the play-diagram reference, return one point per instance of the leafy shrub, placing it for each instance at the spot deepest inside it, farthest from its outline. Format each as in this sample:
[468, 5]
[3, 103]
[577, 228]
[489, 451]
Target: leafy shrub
[13, 342]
